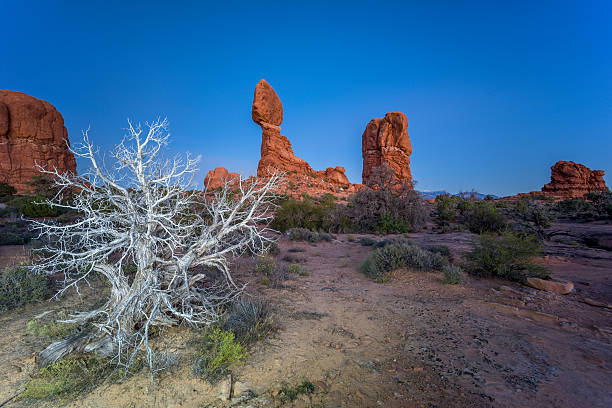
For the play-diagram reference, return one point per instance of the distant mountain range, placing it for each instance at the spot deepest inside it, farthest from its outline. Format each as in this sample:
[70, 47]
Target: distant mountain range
[465, 194]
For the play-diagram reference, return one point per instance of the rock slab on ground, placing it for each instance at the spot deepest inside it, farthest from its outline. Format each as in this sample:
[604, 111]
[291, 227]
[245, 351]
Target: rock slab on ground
[562, 288]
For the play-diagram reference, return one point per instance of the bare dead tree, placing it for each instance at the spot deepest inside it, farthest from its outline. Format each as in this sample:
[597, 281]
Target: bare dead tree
[140, 211]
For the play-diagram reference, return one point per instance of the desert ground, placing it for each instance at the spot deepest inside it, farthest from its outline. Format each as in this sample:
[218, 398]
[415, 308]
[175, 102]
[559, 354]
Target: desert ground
[409, 342]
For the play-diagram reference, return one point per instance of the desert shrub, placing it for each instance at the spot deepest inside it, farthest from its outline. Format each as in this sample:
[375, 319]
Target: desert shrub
[249, 320]
[303, 234]
[507, 256]
[393, 240]
[399, 255]
[291, 393]
[482, 216]
[297, 269]
[531, 217]
[274, 276]
[219, 352]
[19, 286]
[35, 208]
[273, 249]
[310, 213]
[67, 377]
[385, 211]
[367, 241]
[293, 259]
[575, 208]
[452, 274]
[265, 266]
[440, 249]
[15, 232]
[6, 192]
[445, 210]
[324, 236]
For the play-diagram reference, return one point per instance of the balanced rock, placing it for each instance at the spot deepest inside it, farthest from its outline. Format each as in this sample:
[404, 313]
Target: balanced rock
[32, 132]
[267, 107]
[386, 141]
[218, 177]
[569, 180]
[276, 151]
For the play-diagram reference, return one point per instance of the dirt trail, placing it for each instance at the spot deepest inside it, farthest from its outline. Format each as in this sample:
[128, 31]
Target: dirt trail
[413, 342]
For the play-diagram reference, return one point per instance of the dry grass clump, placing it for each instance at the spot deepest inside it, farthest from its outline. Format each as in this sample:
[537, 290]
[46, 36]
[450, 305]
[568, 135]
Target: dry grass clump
[453, 275]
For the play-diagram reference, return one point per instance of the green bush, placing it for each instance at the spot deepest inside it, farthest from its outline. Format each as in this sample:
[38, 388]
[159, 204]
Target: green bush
[265, 266]
[218, 354]
[508, 256]
[297, 269]
[309, 213]
[440, 249]
[6, 192]
[19, 286]
[453, 275]
[400, 255]
[446, 208]
[482, 216]
[35, 208]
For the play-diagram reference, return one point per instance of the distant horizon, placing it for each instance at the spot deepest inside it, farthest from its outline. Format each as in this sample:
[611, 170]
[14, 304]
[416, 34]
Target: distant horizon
[495, 94]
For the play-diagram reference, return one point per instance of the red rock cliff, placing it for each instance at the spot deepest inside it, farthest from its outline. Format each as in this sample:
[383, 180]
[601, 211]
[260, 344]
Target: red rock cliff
[569, 179]
[385, 141]
[32, 132]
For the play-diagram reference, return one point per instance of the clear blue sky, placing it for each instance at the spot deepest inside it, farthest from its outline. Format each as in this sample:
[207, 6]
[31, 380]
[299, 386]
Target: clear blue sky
[495, 92]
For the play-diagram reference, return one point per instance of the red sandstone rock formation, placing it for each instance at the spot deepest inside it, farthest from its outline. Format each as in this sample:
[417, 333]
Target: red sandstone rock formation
[31, 132]
[218, 177]
[569, 179]
[385, 141]
[276, 151]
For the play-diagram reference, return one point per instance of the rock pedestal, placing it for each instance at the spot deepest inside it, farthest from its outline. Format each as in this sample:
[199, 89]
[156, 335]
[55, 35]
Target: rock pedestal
[386, 141]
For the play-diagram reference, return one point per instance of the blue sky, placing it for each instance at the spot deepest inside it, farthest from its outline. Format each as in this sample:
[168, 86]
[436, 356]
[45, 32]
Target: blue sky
[495, 92]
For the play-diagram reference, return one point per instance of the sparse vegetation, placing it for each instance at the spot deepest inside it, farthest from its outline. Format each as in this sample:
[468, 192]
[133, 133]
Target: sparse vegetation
[67, 378]
[56, 329]
[19, 286]
[507, 256]
[291, 393]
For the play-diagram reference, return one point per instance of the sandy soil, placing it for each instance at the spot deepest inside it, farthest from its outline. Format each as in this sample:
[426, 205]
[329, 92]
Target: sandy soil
[413, 342]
